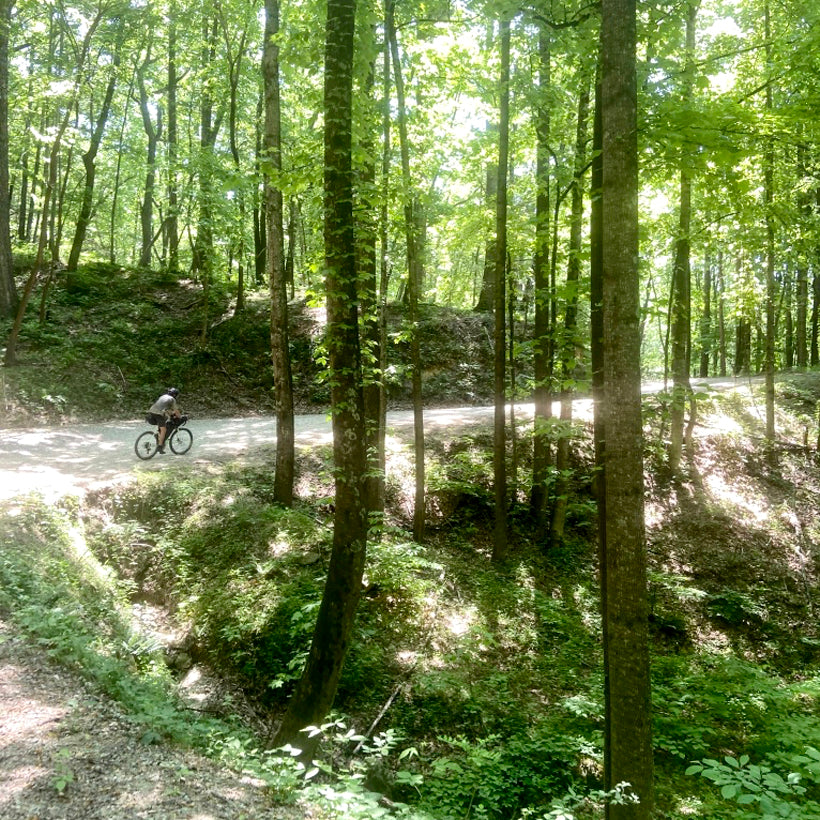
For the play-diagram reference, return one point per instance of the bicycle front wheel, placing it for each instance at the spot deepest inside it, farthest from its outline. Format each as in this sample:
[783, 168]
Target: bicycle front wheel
[146, 445]
[181, 440]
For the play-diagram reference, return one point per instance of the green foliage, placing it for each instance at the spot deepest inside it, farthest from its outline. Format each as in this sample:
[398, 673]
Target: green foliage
[767, 793]
[63, 775]
[76, 610]
[494, 776]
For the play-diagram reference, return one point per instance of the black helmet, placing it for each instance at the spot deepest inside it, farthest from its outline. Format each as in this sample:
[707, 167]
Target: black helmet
[172, 391]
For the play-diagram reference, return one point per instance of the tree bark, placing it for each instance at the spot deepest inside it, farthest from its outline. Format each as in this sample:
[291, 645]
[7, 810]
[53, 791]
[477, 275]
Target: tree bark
[8, 291]
[334, 626]
[500, 540]
[285, 468]
[153, 133]
[542, 346]
[414, 276]
[627, 733]
[706, 319]
[568, 340]
[681, 299]
[771, 292]
[172, 220]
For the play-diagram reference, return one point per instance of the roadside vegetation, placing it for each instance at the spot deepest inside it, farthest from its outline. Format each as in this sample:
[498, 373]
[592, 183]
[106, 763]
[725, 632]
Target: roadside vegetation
[471, 690]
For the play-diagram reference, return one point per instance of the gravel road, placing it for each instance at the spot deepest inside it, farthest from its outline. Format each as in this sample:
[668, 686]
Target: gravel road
[56, 461]
[60, 460]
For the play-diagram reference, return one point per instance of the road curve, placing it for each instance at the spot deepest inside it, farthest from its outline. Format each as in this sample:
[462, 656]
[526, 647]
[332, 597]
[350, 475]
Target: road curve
[56, 461]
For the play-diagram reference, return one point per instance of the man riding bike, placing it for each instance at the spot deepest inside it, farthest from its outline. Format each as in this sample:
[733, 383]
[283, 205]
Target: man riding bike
[164, 413]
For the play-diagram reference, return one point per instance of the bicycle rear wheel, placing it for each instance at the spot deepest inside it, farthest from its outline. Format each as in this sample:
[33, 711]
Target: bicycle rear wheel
[181, 440]
[146, 445]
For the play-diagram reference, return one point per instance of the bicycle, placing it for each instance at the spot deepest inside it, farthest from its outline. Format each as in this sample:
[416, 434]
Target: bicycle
[179, 439]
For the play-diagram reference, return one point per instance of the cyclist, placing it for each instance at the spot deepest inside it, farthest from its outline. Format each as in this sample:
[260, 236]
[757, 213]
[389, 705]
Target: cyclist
[164, 412]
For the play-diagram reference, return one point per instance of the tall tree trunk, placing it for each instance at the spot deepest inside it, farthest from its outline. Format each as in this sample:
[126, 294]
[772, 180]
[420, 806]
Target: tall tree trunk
[542, 346]
[172, 220]
[801, 346]
[567, 346]
[259, 238]
[384, 264]
[788, 318]
[500, 540]
[285, 468]
[627, 732]
[8, 291]
[334, 625]
[153, 133]
[681, 298]
[815, 310]
[486, 296]
[771, 295]
[202, 264]
[802, 284]
[706, 319]
[90, 163]
[719, 292]
[371, 304]
[238, 241]
[413, 241]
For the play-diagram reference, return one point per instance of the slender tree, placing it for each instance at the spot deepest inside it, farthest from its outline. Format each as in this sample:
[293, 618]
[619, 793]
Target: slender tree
[568, 339]
[500, 541]
[316, 689]
[681, 299]
[542, 347]
[413, 243]
[768, 194]
[89, 162]
[285, 468]
[171, 222]
[8, 292]
[153, 133]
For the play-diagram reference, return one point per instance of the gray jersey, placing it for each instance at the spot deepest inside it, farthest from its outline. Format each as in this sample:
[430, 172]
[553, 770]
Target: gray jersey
[165, 405]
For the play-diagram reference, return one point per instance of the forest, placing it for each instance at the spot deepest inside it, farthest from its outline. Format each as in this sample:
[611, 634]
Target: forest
[339, 205]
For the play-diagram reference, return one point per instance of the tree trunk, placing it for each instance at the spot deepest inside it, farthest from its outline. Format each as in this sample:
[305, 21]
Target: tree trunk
[801, 347]
[706, 319]
[153, 133]
[627, 732]
[371, 308]
[202, 257]
[681, 299]
[567, 346]
[238, 241]
[172, 220]
[285, 468]
[316, 689]
[8, 291]
[413, 241]
[500, 542]
[771, 292]
[719, 290]
[542, 347]
[89, 161]
[486, 297]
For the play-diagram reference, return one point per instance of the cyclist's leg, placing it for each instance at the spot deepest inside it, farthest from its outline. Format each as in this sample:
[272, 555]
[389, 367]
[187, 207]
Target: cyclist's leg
[162, 432]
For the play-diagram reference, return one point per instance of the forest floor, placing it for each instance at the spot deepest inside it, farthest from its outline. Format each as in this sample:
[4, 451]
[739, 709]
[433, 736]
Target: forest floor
[68, 753]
